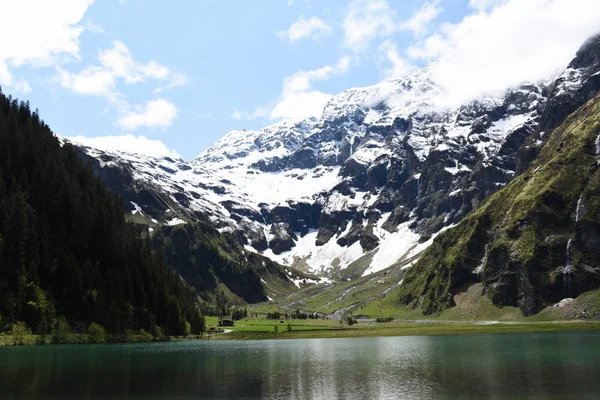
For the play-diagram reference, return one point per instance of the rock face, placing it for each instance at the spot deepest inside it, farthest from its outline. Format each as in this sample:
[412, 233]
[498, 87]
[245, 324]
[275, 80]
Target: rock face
[579, 83]
[535, 242]
[380, 173]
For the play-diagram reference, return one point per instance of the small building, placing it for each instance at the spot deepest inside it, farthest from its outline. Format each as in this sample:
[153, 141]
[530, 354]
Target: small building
[226, 322]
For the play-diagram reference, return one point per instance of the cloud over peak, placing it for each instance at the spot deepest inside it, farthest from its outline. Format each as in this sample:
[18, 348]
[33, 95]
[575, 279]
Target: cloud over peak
[127, 143]
[299, 100]
[158, 113]
[311, 28]
[505, 43]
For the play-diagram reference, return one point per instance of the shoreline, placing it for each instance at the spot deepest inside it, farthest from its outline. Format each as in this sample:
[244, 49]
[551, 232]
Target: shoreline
[389, 329]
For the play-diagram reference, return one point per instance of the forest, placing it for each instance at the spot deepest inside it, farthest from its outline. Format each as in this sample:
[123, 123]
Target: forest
[67, 253]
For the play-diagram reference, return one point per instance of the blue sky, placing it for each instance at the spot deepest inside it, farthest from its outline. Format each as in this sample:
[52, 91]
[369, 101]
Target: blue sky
[186, 72]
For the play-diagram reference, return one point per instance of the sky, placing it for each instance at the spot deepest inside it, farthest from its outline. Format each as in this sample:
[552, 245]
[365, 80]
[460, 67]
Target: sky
[172, 77]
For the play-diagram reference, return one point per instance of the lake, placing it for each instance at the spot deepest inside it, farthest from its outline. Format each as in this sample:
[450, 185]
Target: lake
[561, 365]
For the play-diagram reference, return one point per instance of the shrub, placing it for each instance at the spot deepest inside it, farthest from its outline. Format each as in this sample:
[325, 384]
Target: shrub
[19, 331]
[96, 333]
[144, 336]
[61, 331]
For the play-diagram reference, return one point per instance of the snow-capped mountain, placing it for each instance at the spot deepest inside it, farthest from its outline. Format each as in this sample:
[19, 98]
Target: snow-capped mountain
[365, 186]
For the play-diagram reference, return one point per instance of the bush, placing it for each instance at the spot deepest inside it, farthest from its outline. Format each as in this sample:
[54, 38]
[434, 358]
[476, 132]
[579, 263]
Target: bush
[96, 333]
[130, 336]
[61, 331]
[19, 331]
[144, 336]
[157, 332]
[384, 319]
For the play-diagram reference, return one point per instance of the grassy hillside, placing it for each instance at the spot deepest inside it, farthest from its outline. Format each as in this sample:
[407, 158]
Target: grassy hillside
[532, 243]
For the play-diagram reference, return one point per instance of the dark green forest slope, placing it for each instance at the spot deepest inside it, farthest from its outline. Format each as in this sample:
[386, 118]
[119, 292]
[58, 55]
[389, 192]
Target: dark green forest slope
[534, 242]
[65, 247]
[218, 267]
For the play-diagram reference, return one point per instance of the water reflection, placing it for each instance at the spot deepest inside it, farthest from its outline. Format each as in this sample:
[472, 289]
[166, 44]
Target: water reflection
[508, 366]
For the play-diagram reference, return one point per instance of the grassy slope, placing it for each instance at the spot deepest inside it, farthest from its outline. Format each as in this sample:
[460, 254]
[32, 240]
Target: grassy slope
[517, 221]
[362, 329]
[328, 298]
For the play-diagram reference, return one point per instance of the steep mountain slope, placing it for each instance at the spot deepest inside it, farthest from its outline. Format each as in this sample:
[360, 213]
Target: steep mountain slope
[532, 243]
[220, 270]
[375, 178]
[66, 249]
[365, 186]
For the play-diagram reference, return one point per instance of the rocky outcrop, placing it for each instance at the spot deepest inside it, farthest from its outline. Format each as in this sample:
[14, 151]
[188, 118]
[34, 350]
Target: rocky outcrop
[579, 83]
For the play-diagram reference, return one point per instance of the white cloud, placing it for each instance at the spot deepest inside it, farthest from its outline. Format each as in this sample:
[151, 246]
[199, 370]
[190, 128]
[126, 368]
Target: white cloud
[128, 143]
[400, 65]
[302, 80]
[39, 38]
[90, 26]
[117, 63]
[21, 86]
[157, 113]
[298, 100]
[419, 23]
[119, 60]
[177, 79]
[259, 112]
[482, 5]
[515, 41]
[301, 105]
[237, 114]
[312, 28]
[93, 81]
[367, 20]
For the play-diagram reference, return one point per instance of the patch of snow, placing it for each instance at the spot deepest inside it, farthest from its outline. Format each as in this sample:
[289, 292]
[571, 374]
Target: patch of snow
[175, 221]
[136, 208]
[372, 116]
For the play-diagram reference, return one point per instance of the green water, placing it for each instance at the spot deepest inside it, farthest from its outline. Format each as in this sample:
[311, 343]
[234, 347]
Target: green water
[504, 366]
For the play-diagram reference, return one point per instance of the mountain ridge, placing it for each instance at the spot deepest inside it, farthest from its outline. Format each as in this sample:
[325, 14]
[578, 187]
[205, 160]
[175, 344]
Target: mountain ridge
[369, 183]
